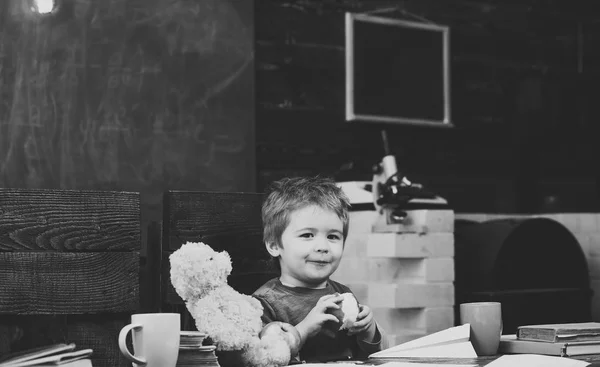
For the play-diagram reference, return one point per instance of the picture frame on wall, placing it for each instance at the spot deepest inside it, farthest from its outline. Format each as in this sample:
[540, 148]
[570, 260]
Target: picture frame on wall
[397, 71]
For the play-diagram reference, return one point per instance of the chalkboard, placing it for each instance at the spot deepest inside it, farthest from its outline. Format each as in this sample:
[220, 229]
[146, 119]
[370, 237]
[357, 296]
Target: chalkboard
[141, 95]
[135, 95]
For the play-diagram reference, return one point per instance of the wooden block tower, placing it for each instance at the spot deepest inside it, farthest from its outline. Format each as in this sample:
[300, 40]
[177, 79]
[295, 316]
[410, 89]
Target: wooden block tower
[404, 272]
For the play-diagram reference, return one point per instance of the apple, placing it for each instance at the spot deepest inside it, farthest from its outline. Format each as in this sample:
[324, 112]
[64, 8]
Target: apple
[347, 312]
[283, 330]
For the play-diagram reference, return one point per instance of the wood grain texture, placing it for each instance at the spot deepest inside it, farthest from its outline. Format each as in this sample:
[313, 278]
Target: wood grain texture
[68, 283]
[98, 332]
[69, 269]
[225, 221]
[69, 220]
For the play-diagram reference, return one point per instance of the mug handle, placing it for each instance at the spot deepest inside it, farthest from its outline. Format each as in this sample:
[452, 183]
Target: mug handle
[123, 346]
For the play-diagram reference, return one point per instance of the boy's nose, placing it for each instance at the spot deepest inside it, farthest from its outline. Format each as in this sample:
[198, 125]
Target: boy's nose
[321, 246]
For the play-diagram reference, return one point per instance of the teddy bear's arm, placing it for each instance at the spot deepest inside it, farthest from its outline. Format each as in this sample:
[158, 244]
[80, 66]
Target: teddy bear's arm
[224, 331]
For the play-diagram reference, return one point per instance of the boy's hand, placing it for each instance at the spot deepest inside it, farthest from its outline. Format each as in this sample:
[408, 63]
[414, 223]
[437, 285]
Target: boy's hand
[313, 322]
[364, 326]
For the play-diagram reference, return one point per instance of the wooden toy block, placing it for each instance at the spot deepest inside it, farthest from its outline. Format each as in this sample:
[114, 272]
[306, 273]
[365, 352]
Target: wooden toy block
[361, 291]
[382, 270]
[404, 336]
[406, 295]
[417, 221]
[439, 269]
[356, 244]
[362, 221]
[410, 245]
[394, 270]
[379, 270]
[358, 231]
[427, 320]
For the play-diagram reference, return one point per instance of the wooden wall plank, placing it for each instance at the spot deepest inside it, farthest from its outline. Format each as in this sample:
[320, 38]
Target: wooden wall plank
[225, 221]
[69, 269]
[68, 283]
[69, 220]
[98, 332]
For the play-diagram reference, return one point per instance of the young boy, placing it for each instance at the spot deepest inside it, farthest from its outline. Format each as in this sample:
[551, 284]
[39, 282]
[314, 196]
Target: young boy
[305, 226]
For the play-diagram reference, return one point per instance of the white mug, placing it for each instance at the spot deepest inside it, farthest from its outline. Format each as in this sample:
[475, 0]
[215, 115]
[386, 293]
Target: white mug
[485, 319]
[155, 339]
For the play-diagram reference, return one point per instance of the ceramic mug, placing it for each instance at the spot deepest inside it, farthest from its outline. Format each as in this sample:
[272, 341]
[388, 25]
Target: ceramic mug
[155, 338]
[485, 319]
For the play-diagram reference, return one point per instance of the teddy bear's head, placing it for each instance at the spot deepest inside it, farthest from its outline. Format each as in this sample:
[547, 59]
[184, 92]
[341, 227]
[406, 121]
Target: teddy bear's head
[196, 269]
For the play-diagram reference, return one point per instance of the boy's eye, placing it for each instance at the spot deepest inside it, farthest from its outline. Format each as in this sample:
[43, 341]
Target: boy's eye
[306, 235]
[334, 237]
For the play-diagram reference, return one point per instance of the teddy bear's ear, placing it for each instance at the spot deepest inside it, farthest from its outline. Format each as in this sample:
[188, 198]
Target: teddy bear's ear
[272, 248]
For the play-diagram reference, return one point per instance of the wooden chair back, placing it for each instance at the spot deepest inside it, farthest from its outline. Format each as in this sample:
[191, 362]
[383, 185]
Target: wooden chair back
[69, 269]
[225, 221]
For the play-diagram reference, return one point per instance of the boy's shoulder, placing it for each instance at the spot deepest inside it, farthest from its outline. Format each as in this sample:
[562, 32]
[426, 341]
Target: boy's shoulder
[339, 287]
[274, 288]
[269, 287]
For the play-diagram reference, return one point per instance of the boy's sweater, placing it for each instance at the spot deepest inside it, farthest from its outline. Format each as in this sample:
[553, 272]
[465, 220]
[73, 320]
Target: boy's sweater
[292, 304]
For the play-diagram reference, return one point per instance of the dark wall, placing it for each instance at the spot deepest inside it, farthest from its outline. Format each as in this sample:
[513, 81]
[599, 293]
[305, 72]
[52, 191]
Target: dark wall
[130, 95]
[523, 102]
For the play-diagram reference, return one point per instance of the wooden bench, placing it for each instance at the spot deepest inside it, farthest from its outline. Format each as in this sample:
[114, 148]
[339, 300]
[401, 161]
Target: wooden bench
[224, 221]
[69, 269]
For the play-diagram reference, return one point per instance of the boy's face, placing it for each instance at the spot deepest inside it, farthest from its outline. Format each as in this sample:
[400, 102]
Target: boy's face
[312, 247]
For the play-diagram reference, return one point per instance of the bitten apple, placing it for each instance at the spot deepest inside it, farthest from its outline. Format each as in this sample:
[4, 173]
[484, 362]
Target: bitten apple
[285, 331]
[347, 312]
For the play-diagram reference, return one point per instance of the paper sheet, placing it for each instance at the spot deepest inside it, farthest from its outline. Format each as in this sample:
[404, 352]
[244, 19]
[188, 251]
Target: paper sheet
[388, 364]
[535, 360]
[455, 334]
[456, 350]
[449, 343]
[410, 364]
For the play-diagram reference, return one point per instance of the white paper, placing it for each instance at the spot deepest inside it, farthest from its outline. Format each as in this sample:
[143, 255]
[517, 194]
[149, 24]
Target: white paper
[535, 360]
[455, 350]
[451, 336]
[416, 364]
[388, 364]
[455, 334]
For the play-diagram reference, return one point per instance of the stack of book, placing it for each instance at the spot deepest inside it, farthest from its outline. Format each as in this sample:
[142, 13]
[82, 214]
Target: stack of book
[193, 354]
[565, 340]
[64, 355]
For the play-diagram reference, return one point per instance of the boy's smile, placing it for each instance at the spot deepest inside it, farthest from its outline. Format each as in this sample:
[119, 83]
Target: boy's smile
[311, 247]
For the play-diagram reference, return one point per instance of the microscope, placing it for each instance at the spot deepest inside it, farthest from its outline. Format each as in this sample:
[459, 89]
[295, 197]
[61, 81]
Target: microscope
[394, 194]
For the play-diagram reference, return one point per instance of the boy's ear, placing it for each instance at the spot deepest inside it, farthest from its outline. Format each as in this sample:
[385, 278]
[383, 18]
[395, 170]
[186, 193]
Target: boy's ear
[272, 248]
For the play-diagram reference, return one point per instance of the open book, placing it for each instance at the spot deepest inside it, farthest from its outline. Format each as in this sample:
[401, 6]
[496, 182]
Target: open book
[449, 343]
[52, 355]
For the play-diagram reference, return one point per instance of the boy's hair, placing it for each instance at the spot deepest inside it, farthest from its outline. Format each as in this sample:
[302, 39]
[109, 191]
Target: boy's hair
[290, 194]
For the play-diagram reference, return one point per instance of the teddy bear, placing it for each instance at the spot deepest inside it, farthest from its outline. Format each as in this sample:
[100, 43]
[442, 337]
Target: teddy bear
[231, 319]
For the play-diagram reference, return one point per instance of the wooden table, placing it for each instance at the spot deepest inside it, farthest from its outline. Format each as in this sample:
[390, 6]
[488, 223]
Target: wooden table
[480, 361]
